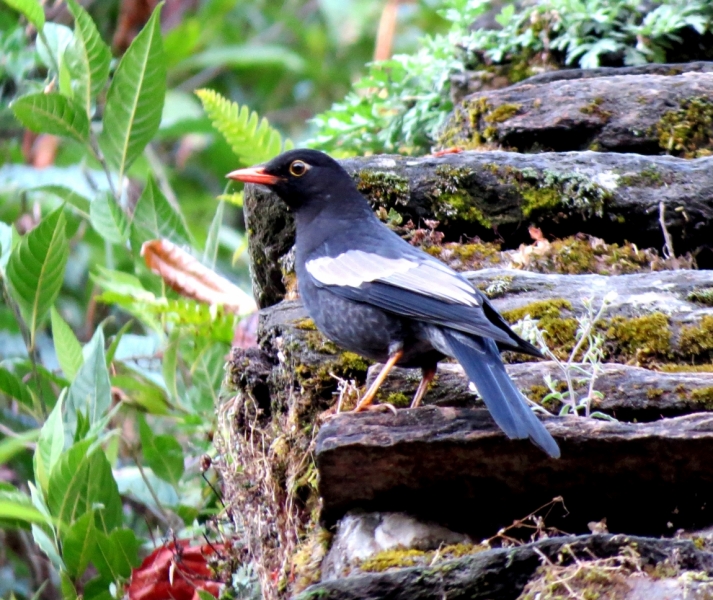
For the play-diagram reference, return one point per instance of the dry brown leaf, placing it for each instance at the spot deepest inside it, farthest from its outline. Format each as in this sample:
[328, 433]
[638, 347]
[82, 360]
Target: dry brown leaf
[191, 279]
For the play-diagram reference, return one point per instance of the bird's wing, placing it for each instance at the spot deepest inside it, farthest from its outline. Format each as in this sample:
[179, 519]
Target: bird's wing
[412, 286]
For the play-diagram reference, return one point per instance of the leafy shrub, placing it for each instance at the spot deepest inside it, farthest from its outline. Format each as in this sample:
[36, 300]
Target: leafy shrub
[401, 103]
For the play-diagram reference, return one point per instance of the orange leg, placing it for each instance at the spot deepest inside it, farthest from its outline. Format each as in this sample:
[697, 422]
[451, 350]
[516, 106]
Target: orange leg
[428, 374]
[374, 387]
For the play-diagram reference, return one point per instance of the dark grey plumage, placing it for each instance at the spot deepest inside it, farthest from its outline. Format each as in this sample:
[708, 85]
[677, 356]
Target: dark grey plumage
[373, 293]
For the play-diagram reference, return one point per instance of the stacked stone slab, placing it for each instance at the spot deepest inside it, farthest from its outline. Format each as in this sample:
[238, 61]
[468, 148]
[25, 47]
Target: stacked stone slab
[614, 165]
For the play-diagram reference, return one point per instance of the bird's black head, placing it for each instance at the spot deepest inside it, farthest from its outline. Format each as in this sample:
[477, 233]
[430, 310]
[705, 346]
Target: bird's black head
[303, 179]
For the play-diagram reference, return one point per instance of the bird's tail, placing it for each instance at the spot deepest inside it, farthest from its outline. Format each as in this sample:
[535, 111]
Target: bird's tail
[481, 361]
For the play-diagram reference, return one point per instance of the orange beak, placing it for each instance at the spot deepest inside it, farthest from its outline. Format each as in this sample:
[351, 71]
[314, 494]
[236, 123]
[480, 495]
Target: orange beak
[254, 175]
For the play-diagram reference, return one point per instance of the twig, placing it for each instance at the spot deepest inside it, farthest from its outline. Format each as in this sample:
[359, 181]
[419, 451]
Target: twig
[668, 248]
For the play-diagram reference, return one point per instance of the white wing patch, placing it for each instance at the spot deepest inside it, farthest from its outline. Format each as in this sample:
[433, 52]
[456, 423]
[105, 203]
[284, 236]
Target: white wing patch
[355, 267]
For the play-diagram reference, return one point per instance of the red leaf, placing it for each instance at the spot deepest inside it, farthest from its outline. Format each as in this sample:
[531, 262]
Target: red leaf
[175, 571]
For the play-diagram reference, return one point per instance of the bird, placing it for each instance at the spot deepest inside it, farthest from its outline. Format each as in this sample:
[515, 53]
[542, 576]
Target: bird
[373, 293]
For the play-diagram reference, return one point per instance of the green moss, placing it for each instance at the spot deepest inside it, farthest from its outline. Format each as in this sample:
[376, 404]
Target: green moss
[595, 108]
[560, 331]
[451, 198]
[537, 393]
[317, 342]
[687, 131]
[306, 324]
[398, 399]
[385, 189]
[649, 177]
[703, 396]
[654, 393]
[399, 558]
[546, 190]
[702, 295]
[676, 368]
[390, 559]
[538, 310]
[650, 334]
[539, 199]
[697, 340]
[502, 113]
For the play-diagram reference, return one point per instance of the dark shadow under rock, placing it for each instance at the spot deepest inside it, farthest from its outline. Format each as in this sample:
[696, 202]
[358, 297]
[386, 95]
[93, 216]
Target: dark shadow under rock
[455, 466]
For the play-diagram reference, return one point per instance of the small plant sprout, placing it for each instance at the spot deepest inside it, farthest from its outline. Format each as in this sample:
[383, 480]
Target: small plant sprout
[583, 365]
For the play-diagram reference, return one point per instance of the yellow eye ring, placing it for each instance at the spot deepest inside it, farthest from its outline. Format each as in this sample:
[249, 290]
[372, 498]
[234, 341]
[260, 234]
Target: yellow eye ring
[298, 168]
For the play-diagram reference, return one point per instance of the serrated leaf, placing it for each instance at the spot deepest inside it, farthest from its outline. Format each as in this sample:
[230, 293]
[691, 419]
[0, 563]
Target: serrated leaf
[66, 345]
[109, 219]
[35, 270]
[31, 9]
[117, 554]
[90, 392]
[87, 58]
[11, 385]
[49, 446]
[79, 544]
[252, 140]
[135, 98]
[155, 218]
[52, 113]
[80, 482]
[163, 453]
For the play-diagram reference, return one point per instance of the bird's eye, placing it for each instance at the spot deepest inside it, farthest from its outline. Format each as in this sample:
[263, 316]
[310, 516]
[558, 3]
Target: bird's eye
[298, 168]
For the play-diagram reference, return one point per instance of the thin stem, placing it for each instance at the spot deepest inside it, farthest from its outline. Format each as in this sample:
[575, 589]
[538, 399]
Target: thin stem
[32, 352]
[45, 41]
[97, 153]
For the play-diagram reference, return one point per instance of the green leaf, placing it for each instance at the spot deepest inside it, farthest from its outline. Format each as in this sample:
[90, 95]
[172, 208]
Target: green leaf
[115, 342]
[6, 245]
[90, 392]
[143, 392]
[210, 254]
[87, 58]
[35, 270]
[70, 196]
[66, 345]
[12, 386]
[155, 218]
[31, 9]
[109, 219]
[117, 554]
[135, 98]
[81, 481]
[17, 509]
[49, 446]
[204, 595]
[69, 592]
[253, 141]
[245, 56]
[79, 544]
[12, 446]
[52, 113]
[163, 453]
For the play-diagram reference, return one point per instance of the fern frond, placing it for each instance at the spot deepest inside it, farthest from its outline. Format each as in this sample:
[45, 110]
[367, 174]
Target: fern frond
[253, 140]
